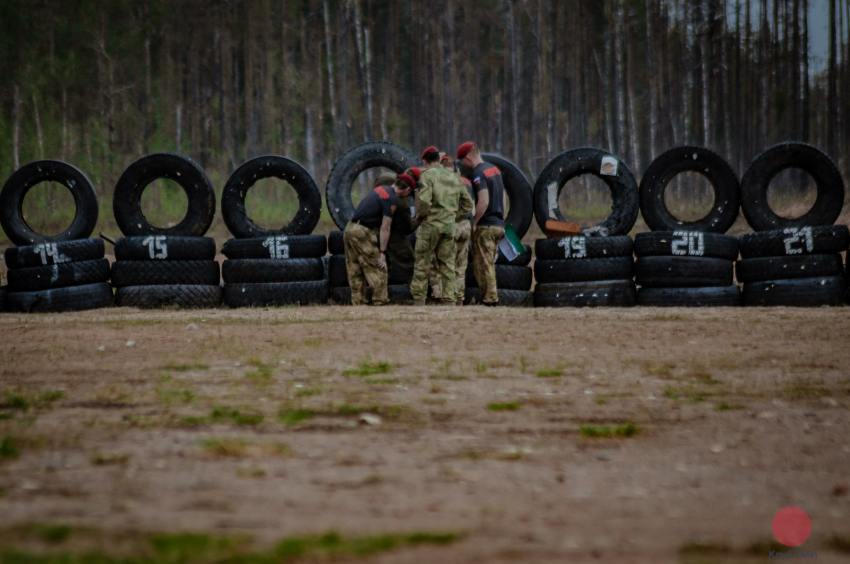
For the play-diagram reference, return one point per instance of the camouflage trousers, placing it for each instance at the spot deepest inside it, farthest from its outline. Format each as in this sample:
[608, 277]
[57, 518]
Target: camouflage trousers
[435, 246]
[485, 243]
[361, 262]
[463, 234]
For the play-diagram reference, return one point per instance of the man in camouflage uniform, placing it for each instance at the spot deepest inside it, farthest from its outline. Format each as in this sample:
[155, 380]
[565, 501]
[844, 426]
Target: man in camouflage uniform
[440, 198]
[399, 249]
[489, 219]
[366, 238]
[463, 234]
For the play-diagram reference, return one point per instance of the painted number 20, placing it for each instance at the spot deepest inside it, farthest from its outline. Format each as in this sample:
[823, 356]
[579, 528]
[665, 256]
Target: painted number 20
[797, 239]
[157, 246]
[277, 246]
[574, 247]
[688, 243]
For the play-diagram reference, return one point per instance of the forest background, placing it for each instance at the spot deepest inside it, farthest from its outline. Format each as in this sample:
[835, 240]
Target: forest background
[100, 83]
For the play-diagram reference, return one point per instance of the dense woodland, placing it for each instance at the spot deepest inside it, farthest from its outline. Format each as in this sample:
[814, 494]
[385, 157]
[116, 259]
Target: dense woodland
[102, 82]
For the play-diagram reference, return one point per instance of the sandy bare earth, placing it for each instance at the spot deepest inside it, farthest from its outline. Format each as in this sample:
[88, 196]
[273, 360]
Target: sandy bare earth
[463, 422]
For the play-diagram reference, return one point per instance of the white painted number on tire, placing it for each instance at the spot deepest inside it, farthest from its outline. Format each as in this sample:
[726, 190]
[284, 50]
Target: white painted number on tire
[688, 243]
[574, 247]
[797, 239]
[50, 254]
[277, 246]
[157, 247]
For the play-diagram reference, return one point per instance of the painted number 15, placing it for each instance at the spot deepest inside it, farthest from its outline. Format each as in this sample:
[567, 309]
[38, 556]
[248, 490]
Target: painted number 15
[157, 246]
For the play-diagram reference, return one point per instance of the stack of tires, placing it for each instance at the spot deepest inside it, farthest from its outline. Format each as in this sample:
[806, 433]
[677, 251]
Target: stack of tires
[165, 267]
[581, 270]
[341, 207]
[687, 263]
[64, 272]
[273, 267]
[793, 262]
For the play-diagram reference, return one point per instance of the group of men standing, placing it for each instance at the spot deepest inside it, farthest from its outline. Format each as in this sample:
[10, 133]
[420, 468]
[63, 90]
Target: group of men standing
[451, 211]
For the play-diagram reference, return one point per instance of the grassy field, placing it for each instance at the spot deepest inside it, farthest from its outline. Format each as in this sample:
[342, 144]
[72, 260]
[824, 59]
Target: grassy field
[422, 434]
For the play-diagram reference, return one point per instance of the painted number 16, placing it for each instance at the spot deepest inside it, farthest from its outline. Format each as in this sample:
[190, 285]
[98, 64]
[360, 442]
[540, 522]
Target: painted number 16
[277, 246]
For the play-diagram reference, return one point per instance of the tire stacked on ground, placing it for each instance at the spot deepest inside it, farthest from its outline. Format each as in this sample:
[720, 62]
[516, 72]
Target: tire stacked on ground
[794, 266]
[685, 268]
[793, 262]
[582, 271]
[63, 272]
[398, 279]
[165, 267]
[513, 280]
[273, 267]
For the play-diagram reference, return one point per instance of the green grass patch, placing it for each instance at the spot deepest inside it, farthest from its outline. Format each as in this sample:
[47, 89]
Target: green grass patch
[173, 396]
[687, 393]
[292, 417]
[369, 369]
[549, 373]
[223, 414]
[334, 545]
[19, 401]
[226, 447]
[504, 406]
[261, 374]
[307, 392]
[8, 448]
[723, 406]
[608, 431]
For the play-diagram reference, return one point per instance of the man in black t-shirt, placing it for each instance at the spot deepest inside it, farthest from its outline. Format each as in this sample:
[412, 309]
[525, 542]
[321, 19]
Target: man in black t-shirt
[489, 221]
[366, 237]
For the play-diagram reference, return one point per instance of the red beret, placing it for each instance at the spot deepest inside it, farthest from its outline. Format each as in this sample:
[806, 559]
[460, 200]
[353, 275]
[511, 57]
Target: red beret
[464, 149]
[415, 172]
[407, 179]
[429, 150]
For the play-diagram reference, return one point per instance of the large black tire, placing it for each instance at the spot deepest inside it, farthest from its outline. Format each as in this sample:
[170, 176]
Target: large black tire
[724, 181]
[165, 247]
[583, 270]
[521, 260]
[778, 268]
[243, 178]
[276, 247]
[336, 246]
[276, 294]
[508, 277]
[241, 271]
[2, 299]
[804, 292]
[58, 275]
[399, 294]
[518, 190]
[507, 298]
[171, 272]
[127, 201]
[754, 184]
[22, 180]
[682, 272]
[689, 297]
[351, 164]
[47, 253]
[806, 240]
[587, 160]
[171, 295]
[617, 293]
[686, 243]
[580, 247]
[70, 298]
[338, 274]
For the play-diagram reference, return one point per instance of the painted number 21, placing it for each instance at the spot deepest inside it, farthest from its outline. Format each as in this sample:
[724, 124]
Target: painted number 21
[277, 246]
[157, 246]
[797, 239]
[688, 243]
[574, 247]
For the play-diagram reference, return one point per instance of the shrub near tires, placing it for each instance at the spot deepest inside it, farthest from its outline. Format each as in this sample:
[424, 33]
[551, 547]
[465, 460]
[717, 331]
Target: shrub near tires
[685, 268]
[794, 266]
[582, 271]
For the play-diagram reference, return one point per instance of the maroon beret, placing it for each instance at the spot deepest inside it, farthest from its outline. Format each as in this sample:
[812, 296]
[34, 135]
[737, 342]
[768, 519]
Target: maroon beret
[464, 149]
[429, 151]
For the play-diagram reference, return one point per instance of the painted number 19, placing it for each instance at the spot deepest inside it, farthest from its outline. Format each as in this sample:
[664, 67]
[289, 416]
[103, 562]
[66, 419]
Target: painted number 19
[574, 247]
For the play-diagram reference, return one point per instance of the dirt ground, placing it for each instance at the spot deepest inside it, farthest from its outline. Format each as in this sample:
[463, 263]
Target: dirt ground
[472, 423]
